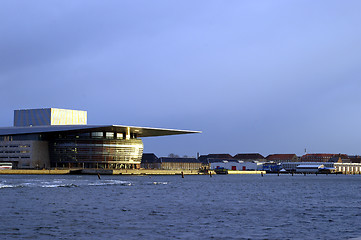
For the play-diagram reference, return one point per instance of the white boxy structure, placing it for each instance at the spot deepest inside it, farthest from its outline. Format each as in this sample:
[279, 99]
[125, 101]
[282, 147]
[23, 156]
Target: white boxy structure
[49, 116]
[237, 165]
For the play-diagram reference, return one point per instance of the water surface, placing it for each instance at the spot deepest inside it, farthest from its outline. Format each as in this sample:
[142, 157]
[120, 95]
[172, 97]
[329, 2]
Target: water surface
[171, 207]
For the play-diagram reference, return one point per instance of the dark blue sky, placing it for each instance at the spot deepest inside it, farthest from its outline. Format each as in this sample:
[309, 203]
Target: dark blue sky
[254, 76]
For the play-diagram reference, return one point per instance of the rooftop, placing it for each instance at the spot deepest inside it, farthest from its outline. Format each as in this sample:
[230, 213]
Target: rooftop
[140, 131]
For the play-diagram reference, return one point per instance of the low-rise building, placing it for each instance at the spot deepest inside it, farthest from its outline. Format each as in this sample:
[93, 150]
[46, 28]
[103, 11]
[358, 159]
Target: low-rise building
[317, 157]
[271, 167]
[207, 159]
[348, 168]
[278, 158]
[236, 165]
[249, 157]
[168, 163]
[292, 166]
[340, 158]
[314, 168]
[151, 161]
[354, 158]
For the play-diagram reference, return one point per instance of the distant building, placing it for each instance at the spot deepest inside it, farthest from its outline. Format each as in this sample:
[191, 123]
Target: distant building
[151, 161]
[314, 168]
[354, 159]
[278, 158]
[271, 167]
[249, 157]
[317, 157]
[168, 163]
[340, 158]
[236, 165]
[207, 159]
[292, 166]
[348, 168]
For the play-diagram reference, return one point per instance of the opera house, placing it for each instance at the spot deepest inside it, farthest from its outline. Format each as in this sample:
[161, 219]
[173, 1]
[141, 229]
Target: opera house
[61, 138]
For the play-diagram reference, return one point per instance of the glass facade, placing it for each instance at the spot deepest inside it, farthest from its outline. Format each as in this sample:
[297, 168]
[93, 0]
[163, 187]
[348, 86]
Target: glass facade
[103, 150]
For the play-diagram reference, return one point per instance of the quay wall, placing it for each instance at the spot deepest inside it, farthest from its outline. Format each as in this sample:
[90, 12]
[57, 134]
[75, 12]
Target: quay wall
[101, 171]
[33, 171]
[245, 172]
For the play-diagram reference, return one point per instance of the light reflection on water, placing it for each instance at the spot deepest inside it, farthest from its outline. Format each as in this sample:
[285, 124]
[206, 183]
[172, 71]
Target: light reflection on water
[194, 207]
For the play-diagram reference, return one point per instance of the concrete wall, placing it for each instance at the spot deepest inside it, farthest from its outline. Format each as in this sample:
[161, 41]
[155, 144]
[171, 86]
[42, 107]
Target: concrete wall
[40, 155]
[25, 154]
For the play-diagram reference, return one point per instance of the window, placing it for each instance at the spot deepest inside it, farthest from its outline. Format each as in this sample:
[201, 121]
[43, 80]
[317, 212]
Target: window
[109, 135]
[84, 135]
[120, 136]
[97, 134]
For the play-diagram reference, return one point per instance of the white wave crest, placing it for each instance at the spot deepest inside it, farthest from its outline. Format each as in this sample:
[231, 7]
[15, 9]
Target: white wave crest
[159, 183]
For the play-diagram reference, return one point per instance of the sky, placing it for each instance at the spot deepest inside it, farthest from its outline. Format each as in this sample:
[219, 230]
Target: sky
[254, 76]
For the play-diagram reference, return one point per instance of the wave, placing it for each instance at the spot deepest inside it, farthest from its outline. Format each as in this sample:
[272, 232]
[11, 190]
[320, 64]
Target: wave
[10, 185]
[110, 182]
[159, 183]
[66, 183]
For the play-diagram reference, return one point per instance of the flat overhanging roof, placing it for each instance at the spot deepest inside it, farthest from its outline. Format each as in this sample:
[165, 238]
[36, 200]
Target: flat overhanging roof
[140, 131]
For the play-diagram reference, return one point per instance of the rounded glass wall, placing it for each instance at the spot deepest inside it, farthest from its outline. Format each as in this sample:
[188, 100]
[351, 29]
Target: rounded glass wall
[104, 150]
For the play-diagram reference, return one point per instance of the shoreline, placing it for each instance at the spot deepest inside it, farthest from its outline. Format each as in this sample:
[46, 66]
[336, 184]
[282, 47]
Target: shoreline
[114, 172]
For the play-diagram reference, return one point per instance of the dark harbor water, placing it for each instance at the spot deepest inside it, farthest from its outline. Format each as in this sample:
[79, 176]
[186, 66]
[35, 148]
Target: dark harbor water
[169, 207]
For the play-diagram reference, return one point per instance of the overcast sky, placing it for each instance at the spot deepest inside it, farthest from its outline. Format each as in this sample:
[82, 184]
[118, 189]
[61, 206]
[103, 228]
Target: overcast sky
[254, 76]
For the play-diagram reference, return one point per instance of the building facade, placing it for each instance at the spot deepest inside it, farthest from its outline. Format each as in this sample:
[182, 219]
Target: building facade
[151, 161]
[278, 158]
[348, 168]
[316, 157]
[60, 138]
[292, 166]
[168, 163]
[236, 165]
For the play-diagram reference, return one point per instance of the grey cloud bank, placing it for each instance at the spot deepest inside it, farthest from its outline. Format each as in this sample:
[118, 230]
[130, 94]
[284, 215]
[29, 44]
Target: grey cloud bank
[265, 76]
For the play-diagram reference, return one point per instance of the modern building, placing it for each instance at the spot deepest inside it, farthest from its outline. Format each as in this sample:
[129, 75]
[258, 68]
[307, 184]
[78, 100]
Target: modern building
[61, 138]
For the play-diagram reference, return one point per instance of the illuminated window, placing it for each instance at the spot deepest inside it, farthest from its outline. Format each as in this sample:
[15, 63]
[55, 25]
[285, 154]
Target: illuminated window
[109, 135]
[97, 134]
